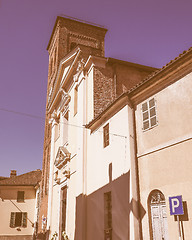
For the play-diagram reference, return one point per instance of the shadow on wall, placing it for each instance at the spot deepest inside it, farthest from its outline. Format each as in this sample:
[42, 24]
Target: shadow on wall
[94, 207]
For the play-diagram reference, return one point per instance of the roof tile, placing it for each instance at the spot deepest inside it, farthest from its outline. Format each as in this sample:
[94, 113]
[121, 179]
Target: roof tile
[26, 179]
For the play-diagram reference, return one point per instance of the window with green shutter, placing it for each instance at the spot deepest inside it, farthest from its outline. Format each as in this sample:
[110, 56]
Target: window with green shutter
[20, 196]
[18, 219]
[24, 219]
[12, 220]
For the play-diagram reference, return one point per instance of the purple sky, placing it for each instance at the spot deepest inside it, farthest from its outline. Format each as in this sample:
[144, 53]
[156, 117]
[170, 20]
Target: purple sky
[148, 32]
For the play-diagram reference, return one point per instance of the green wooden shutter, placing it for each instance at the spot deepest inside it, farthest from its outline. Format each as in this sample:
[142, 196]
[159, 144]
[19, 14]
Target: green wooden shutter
[24, 219]
[12, 219]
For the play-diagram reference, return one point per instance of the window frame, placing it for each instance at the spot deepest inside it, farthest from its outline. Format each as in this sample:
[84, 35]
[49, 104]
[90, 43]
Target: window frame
[14, 219]
[57, 131]
[19, 198]
[75, 100]
[106, 135]
[108, 223]
[148, 111]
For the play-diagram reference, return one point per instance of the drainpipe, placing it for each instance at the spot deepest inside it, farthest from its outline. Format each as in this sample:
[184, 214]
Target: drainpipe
[85, 100]
[135, 182]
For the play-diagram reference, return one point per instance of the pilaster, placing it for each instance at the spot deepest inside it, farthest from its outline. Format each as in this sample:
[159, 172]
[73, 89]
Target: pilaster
[53, 121]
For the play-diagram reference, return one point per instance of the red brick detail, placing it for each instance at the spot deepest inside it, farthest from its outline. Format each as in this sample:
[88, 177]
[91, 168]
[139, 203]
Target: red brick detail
[104, 88]
[128, 77]
[42, 211]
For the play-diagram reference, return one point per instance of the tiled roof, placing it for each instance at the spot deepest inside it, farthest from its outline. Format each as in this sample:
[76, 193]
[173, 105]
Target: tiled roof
[150, 76]
[153, 74]
[2, 178]
[26, 179]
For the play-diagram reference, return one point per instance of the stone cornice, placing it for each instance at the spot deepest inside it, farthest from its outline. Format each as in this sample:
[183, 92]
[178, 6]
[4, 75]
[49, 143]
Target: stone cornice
[83, 37]
[61, 21]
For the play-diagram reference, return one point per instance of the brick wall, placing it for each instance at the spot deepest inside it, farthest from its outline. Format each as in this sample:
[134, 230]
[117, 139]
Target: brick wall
[104, 88]
[114, 79]
[129, 76]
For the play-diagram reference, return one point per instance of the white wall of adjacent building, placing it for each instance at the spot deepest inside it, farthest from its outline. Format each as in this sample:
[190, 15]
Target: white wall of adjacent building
[164, 152]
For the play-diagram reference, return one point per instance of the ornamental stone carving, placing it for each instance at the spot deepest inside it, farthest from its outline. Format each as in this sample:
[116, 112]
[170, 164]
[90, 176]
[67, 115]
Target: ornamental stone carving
[62, 157]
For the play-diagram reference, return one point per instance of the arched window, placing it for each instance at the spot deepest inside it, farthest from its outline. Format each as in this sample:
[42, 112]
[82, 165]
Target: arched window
[157, 216]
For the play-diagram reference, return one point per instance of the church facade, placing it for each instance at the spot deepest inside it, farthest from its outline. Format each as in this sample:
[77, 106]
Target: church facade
[115, 133]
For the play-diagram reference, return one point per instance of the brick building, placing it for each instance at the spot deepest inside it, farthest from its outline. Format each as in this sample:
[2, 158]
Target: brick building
[104, 121]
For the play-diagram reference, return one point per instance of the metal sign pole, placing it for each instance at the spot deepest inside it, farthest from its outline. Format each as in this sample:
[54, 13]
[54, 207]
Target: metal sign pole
[179, 227]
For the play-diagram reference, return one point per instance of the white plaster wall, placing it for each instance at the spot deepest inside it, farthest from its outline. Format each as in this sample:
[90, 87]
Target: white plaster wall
[116, 153]
[119, 154]
[174, 111]
[164, 152]
[75, 147]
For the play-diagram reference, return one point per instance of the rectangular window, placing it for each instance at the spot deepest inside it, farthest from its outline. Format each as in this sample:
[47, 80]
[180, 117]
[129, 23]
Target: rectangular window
[106, 135]
[20, 196]
[57, 131]
[18, 219]
[75, 99]
[149, 114]
[63, 209]
[108, 216]
[65, 128]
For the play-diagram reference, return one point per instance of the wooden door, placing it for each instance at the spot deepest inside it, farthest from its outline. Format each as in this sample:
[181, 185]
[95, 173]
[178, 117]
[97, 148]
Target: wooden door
[158, 216]
[63, 210]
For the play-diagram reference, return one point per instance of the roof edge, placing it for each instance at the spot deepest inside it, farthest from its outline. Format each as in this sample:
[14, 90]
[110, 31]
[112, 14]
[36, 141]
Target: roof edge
[61, 17]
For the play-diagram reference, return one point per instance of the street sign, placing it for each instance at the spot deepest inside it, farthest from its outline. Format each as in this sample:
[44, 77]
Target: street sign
[176, 205]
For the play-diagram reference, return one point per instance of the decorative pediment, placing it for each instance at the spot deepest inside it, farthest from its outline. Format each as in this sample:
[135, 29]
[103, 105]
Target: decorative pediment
[65, 71]
[62, 157]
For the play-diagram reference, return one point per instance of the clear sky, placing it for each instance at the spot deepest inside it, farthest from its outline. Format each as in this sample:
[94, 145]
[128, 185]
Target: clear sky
[148, 32]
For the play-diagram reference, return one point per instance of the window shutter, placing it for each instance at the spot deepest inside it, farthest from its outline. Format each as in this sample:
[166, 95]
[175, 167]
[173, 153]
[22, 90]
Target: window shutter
[24, 219]
[20, 196]
[12, 220]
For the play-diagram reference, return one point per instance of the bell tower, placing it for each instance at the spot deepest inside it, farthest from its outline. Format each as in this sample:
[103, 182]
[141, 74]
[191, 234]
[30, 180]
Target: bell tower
[68, 34]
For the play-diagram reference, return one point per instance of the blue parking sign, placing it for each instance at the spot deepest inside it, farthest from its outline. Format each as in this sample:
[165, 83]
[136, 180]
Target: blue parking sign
[176, 205]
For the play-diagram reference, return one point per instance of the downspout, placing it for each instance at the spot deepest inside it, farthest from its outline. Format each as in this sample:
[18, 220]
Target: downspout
[135, 178]
[85, 89]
